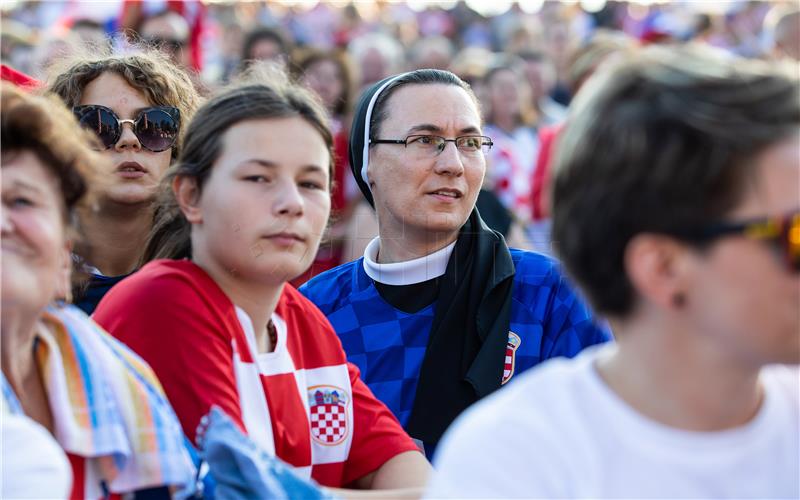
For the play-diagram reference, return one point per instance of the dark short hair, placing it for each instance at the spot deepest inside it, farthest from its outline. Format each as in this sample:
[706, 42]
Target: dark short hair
[259, 96]
[264, 33]
[417, 77]
[659, 143]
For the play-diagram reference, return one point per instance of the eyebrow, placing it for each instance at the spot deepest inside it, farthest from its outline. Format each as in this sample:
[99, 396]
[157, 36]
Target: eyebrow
[21, 184]
[272, 165]
[429, 127]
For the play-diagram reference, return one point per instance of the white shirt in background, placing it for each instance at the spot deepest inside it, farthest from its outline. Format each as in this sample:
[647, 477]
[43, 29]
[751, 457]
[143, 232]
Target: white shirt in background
[560, 432]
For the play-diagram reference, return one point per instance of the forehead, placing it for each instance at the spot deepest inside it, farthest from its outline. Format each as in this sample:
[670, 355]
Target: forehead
[24, 167]
[773, 189]
[448, 107]
[289, 142]
[111, 90]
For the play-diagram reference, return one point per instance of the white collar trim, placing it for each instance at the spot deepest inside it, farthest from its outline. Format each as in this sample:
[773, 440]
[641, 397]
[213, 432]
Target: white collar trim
[409, 272]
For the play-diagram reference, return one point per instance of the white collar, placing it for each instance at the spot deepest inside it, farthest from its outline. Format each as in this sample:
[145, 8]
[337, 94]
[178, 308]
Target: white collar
[408, 272]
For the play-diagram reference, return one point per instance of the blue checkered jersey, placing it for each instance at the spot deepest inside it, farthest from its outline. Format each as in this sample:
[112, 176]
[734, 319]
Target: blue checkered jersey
[548, 320]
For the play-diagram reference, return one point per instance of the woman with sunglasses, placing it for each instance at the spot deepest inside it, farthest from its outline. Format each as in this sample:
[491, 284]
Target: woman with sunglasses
[439, 312]
[692, 157]
[135, 105]
[244, 209]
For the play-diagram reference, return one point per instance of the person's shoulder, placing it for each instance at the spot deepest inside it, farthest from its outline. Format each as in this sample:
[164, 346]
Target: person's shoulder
[162, 283]
[532, 402]
[546, 389]
[783, 381]
[520, 438]
[164, 270]
[329, 287]
[295, 303]
[533, 268]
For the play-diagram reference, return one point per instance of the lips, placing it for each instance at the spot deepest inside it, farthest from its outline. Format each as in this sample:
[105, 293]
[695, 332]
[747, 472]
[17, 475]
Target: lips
[131, 170]
[447, 192]
[130, 166]
[285, 236]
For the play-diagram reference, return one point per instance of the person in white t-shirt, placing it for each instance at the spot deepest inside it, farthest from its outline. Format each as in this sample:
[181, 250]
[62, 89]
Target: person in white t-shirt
[695, 261]
[32, 464]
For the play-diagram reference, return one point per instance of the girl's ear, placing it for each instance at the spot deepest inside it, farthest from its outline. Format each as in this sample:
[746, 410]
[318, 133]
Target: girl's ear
[187, 195]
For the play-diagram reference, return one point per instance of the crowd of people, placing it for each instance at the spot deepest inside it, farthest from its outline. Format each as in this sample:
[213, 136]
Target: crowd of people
[260, 250]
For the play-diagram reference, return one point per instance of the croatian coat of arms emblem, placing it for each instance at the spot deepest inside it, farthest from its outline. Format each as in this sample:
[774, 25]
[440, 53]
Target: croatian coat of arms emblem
[328, 414]
[511, 354]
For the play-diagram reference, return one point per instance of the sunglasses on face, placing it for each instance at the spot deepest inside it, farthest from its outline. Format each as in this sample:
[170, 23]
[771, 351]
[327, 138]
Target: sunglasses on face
[782, 232]
[156, 128]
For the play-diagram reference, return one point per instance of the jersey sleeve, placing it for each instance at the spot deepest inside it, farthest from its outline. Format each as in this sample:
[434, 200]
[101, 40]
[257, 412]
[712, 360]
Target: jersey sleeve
[569, 326]
[166, 320]
[377, 436]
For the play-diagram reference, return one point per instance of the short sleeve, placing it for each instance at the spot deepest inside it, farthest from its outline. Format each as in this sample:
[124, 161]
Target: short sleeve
[166, 320]
[378, 435]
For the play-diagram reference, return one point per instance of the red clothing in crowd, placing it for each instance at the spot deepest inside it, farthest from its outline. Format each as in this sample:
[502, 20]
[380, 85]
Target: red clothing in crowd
[302, 401]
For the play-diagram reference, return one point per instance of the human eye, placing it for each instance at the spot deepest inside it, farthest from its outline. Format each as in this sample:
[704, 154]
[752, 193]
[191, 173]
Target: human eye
[424, 140]
[256, 178]
[313, 185]
[21, 201]
[470, 143]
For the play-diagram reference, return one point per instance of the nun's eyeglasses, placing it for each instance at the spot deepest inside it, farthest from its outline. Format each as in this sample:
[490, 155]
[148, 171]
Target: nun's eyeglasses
[432, 145]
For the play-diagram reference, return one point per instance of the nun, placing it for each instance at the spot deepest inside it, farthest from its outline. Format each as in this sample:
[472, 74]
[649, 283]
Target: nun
[439, 312]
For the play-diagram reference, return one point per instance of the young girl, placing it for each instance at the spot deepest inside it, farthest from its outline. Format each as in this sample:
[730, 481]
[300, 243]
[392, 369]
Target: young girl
[248, 203]
[155, 98]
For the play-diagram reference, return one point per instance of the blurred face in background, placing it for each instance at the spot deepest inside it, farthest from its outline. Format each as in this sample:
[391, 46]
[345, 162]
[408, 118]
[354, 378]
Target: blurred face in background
[169, 32]
[504, 92]
[540, 76]
[324, 77]
[267, 49]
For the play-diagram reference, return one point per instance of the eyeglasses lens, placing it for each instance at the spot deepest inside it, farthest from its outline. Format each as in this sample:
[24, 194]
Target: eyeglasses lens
[156, 130]
[103, 124]
[793, 242]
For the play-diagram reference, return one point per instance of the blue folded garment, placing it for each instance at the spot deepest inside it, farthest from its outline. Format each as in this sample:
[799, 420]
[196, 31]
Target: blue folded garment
[241, 470]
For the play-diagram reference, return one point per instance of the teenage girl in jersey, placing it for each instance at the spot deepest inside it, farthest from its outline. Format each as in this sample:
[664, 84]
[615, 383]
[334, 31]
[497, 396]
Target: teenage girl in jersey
[212, 312]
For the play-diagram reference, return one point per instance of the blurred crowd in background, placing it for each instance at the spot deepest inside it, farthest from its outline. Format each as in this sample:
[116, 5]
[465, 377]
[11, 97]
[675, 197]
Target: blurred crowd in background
[525, 60]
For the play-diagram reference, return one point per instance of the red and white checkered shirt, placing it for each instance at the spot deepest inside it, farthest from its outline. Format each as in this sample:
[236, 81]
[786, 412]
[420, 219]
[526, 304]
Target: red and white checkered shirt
[302, 401]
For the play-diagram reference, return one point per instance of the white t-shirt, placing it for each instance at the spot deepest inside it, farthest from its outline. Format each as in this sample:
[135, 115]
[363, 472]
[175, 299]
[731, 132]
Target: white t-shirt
[560, 432]
[33, 464]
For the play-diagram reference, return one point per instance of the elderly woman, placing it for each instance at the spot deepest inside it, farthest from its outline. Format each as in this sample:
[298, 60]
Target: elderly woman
[100, 401]
[439, 312]
[136, 105]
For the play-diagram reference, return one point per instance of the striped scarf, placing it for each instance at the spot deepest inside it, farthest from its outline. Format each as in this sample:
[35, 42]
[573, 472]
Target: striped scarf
[108, 406]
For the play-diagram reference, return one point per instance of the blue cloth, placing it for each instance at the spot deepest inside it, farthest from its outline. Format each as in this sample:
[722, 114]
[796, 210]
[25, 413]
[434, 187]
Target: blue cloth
[241, 470]
[89, 295]
[388, 345]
